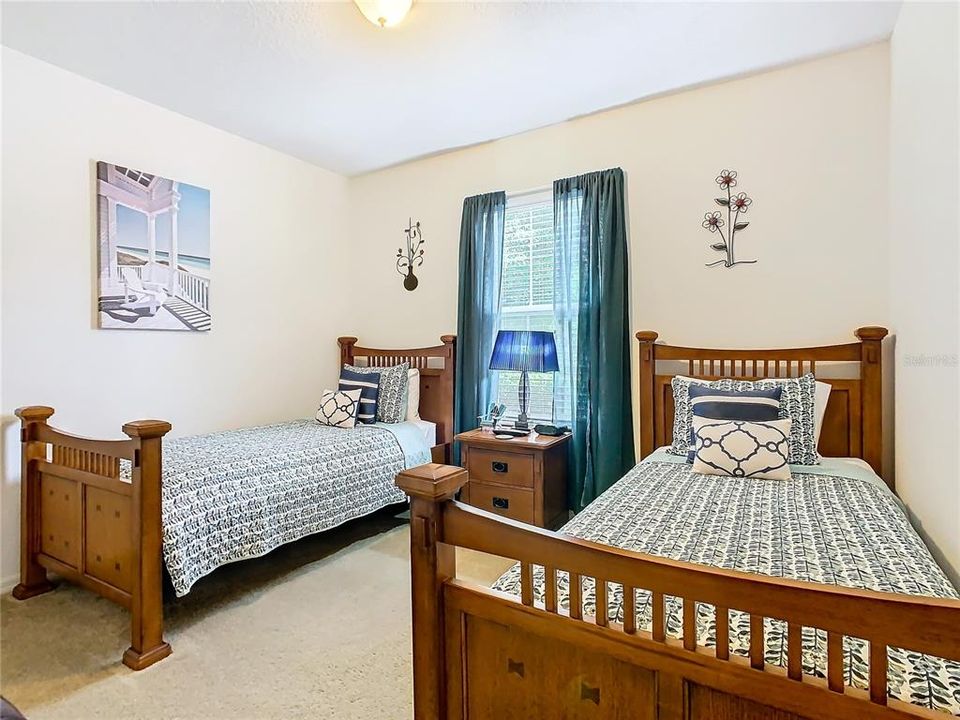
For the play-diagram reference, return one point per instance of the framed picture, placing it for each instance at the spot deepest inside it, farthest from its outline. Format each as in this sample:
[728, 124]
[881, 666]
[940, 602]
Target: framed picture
[154, 251]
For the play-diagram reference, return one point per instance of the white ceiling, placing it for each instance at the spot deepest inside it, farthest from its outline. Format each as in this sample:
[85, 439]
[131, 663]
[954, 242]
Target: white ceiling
[318, 81]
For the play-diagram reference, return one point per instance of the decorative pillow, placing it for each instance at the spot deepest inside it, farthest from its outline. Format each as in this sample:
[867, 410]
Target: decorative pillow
[392, 401]
[742, 449]
[413, 394]
[339, 409]
[749, 405]
[369, 386]
[796, 403]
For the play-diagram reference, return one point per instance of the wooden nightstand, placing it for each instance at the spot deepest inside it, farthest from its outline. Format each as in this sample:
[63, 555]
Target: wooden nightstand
[522, 478]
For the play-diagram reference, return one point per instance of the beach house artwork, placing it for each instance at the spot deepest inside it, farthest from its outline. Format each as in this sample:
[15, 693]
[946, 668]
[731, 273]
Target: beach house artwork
[154, 251]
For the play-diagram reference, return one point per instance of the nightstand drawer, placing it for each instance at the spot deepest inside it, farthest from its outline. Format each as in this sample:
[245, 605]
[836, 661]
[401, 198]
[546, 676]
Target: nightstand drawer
[513, 503]
[500, 467]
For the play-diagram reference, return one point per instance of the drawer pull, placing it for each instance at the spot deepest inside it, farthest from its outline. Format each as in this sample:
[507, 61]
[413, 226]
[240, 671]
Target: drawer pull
[514, 667]
[499, 466]
[501, 503]
[589, 693]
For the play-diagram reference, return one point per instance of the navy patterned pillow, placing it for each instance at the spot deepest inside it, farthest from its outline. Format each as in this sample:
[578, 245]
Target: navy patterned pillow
[742, 449]
[369, 386]
[716, 404]
[796, 402]
[392, 401]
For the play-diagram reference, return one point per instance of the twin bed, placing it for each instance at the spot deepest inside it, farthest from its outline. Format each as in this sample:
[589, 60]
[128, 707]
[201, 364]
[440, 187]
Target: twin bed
[682, 595]
[97, 513]
[673, 595]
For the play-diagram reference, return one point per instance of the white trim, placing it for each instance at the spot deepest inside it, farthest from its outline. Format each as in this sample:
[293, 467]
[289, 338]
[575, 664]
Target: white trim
[7, 583]
[536, 196]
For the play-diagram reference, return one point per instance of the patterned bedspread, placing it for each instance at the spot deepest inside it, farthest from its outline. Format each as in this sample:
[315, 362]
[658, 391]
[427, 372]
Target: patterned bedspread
[239, 494]
[828, 529]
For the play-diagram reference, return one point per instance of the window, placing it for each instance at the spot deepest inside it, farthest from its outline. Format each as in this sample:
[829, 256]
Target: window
[526, 297]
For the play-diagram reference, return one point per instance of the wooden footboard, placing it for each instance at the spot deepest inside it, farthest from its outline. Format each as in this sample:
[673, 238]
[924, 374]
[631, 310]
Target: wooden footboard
[81, 520]
[479, 653]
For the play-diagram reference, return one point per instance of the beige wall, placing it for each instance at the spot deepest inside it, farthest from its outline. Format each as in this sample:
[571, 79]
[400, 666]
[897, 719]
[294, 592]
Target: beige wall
[925, 234]
[276, 237]
[810, 143]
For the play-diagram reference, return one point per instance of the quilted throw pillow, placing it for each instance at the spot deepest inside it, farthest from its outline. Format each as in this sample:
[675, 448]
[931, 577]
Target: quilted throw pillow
[339, 409]
[369, 386]
[749, 405]
[742, 449]
[796, 402]
[392, 401]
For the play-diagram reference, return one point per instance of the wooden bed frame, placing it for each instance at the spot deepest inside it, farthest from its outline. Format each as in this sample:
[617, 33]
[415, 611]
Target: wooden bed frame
[81, 521]
[479, 653]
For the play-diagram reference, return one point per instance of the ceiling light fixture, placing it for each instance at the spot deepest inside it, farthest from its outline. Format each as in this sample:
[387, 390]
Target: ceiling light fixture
[384, 13]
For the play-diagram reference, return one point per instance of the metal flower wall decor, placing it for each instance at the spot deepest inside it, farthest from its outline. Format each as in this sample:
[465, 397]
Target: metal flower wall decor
[413, 257]
[736, 205]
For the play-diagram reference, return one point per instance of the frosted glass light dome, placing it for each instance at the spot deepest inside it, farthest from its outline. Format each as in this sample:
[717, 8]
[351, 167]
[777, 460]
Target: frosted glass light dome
[384, 13]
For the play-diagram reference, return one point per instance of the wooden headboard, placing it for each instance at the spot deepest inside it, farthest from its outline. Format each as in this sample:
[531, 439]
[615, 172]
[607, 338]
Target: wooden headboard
[436, 366]
[852, 426]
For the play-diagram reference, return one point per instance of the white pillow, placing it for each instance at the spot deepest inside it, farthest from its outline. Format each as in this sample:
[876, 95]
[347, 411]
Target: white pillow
[821, 395]
[413, 394]
[741, 449]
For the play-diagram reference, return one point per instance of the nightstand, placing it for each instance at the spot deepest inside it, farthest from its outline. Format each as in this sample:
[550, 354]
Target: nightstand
[521, 478]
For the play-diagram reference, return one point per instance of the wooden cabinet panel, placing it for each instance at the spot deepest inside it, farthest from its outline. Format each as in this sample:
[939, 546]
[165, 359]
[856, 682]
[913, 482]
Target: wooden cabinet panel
[503, 468]
[514, 674]
[109, 549]
[60, 519]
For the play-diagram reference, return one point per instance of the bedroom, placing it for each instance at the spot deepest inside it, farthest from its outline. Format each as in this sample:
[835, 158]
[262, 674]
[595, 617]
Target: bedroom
[327, 137]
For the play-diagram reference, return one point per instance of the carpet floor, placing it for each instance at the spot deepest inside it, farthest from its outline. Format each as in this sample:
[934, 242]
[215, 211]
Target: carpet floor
[316, 629]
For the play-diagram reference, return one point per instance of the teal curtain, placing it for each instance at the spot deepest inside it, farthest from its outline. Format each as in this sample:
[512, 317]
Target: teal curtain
[593, 329]
[478, 308]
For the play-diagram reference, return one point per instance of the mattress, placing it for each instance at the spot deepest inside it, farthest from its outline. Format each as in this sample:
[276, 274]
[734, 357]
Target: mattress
[239, 494]
[836, 523]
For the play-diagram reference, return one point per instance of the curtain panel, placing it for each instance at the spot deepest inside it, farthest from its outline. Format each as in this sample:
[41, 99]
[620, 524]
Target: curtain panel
[593, 328]
[478, 308]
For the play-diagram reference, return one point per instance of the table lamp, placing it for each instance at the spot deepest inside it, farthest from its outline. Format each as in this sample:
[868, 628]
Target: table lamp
[527, 351]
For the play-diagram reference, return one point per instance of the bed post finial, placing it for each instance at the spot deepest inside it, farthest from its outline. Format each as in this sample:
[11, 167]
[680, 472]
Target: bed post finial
[871, 395]
[346, 349]
[33, 576]
[147, 645]
[432, 563]
[648, 366]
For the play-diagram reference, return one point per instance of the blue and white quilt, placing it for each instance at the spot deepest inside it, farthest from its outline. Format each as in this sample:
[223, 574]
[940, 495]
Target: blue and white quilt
[833, 523]
[239, 494]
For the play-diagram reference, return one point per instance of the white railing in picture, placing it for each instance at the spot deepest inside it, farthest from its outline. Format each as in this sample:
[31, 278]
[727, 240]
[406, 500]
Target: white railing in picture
[194, 289]
[137, 269]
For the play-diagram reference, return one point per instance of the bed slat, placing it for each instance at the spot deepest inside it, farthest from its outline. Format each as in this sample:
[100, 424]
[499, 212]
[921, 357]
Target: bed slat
[659, 621]
[689, 624]
[835, 661]
[794, 651]
[629, 609]
[878, 672]
[526, 583]
[722, 624]
[756, 642]
[601, 603]
[576, 597]
[550, 589]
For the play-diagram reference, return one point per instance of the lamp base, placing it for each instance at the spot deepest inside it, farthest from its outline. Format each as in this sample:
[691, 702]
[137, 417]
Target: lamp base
[524, 397]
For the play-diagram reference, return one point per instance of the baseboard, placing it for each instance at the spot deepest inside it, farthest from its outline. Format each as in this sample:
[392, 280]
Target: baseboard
[7, 583]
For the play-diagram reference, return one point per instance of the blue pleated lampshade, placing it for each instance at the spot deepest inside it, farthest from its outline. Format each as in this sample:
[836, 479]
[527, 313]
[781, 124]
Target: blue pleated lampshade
[533, 350]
